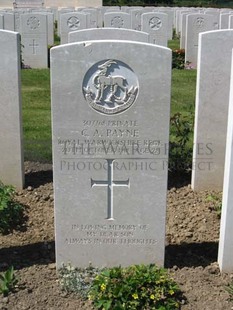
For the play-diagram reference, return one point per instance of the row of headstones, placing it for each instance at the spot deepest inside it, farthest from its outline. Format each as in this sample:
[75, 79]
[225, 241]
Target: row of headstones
[191, 23]
[37, 30]
[104, 137]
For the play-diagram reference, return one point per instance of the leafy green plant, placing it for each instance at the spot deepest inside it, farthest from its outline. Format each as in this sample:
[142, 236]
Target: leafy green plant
[11, 212]
[229, 289]
[135, 287]
[77, 280]
[7, 281]
[216, 203]
[180, 151]
[178, 59]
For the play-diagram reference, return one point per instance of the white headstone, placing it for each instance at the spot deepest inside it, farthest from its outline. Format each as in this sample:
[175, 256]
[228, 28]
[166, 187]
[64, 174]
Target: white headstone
[93, 19]
[117, 20]
[1, 22]
[170, 14]
[225, 253]
[9, 21]
[72, 22]
[156, 24]
[11, 150]
[224, 20]
[230, 22]
[216, 15]
[195, 24]
[34, 36]
[110, 103]
[136, 19]
[108, 34]
[212, 100]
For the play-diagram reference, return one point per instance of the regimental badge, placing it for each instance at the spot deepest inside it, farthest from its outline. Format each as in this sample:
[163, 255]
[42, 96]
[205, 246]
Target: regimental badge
[110, 87]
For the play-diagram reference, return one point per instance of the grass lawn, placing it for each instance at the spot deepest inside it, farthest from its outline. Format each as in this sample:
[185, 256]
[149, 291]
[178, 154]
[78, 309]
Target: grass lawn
[37, 107]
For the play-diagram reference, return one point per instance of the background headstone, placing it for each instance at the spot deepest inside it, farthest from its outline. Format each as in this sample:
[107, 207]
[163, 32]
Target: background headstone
[1, 22]
[225, 253]
[212, 100]
[34, 36]
[195, 24]
[108, 34]
[109, 180]
[156, 24]
[72, 22]
[11, 150]
[117, 20]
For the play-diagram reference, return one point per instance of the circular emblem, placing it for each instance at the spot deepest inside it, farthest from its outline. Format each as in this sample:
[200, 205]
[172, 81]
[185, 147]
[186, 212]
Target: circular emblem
[110, 86]
[200, 22]
[73, 23]
[33, 22]
[117, 22]
[155, 23]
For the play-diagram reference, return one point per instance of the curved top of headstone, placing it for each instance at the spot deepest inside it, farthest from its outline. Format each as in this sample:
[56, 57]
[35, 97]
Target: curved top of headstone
[108, 34]
[28, 3]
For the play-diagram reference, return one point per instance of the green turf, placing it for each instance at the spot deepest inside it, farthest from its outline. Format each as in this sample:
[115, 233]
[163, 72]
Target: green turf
[36, 114]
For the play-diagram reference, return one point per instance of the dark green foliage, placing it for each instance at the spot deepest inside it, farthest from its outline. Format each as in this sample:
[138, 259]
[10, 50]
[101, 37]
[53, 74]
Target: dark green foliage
[178, 59]
[180, 151]
[11, 212]
[137, 287]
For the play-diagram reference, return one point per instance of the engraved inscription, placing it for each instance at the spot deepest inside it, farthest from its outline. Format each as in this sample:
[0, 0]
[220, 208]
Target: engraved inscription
[121, 234]
[34, 45]
[200, 22]
[117, 22]
[73, 23]
[110, 87]
[155, 23]
[110, 184]
[33, 22]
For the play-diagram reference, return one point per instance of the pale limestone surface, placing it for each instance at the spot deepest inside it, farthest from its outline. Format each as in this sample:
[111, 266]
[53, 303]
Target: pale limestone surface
[156, 24]
[1, 22]
[34, 38]
[195, 24]
[170, 13]
[110, 116]
[225, 253]
[136, 18]
[224, 20]
[108, 34]
[72, 22]
[212, 100]
[9, 21]
[216, 14]
[94, 20]
[117, 20]
[11, 149]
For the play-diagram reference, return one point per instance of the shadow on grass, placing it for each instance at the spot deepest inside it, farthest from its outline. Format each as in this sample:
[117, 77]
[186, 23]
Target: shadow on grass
[184, 255]
[191, 254]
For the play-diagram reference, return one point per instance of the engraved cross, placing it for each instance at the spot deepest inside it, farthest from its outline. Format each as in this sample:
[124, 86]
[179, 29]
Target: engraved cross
[34, 45]
[110, 184]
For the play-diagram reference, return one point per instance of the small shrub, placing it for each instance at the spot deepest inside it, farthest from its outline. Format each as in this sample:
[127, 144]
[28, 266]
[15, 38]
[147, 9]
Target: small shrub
[229, 289]
[180, 150]
[216, 203]
[11, 212]
[137, 287]
[77, 280]
[178, 59]
[8, 281]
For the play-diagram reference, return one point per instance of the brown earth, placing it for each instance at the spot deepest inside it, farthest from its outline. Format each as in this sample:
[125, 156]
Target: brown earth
[191, 250]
